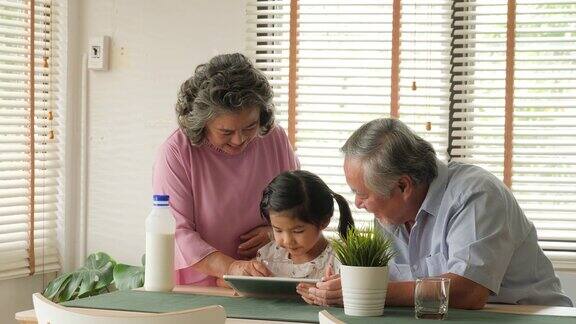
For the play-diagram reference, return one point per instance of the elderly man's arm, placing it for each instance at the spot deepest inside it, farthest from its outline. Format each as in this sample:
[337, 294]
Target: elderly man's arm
[464, 293]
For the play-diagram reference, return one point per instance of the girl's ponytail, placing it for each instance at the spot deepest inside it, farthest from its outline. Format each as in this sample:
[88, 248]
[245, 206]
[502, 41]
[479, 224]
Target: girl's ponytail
[346, 221]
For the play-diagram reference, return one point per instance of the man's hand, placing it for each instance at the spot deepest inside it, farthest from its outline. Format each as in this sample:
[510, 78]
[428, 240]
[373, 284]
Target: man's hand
[327, 292]
[254, 240]
[248, 268]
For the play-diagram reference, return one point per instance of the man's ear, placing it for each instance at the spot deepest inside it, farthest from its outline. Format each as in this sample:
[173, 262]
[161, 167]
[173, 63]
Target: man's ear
[405, 184]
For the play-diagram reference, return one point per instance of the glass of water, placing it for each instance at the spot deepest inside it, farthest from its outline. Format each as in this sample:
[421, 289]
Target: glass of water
[431, 298]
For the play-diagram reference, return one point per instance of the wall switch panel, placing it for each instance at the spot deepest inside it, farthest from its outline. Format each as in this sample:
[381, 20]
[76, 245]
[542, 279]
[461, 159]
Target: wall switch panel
[99, 48]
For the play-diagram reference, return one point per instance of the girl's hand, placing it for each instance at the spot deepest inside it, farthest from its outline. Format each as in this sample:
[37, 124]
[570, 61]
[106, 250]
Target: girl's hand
[254, 240]
[248, 268]
[221, 283]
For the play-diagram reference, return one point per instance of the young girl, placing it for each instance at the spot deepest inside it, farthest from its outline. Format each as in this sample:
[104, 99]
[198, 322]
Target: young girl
[299, 205]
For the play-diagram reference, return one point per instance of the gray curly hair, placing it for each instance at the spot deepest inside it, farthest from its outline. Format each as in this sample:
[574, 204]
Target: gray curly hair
[388, 149]
[227, 83]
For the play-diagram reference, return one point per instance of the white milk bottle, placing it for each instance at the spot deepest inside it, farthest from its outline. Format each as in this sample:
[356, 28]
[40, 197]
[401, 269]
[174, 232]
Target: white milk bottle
[160, 227]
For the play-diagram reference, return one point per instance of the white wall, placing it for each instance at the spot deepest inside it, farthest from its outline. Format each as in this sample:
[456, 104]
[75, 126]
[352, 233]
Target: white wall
[16, 295]
[155, 46]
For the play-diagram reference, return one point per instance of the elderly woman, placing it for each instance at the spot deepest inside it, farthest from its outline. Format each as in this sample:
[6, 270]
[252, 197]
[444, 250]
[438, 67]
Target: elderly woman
[215, 166]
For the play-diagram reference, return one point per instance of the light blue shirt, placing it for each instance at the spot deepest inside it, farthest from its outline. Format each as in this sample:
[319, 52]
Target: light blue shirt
[471, 225]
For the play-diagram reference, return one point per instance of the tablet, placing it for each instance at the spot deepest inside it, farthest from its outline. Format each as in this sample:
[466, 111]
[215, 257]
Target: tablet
[261, 287]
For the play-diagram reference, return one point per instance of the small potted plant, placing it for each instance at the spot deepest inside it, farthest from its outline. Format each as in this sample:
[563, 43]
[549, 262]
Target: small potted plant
[364, 255]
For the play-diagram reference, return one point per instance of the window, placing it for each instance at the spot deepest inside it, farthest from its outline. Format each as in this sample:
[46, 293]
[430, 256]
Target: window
[542, 153]
[343, 79]
[30, 139]
[471, 74]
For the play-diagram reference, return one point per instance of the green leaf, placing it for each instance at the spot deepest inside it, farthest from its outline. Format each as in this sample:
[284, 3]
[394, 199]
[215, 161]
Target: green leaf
[100, 267]
[366, 247]
[71, 287]
[96, 273]
[128, 277]
[100, 274]
[87, 282]
[56, 286]
[103, 290]
[93, 277]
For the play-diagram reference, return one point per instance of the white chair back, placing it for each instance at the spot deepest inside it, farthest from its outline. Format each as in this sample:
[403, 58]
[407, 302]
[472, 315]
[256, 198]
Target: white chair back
[326, 318]
[48, 312]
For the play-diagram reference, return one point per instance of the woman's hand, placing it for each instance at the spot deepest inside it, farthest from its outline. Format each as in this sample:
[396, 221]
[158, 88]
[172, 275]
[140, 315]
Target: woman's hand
[248, 268]
[254, 240]
[327, 292]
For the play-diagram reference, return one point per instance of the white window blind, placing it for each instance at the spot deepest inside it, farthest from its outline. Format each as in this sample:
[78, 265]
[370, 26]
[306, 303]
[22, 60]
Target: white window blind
[455, 52]
[16, 176]
[479, 84]
[343, 77]
[425, 70]
[544, 118]
[544, 170]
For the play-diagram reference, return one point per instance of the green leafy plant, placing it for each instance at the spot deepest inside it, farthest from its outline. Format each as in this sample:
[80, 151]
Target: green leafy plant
[99, 274]
[364, 247]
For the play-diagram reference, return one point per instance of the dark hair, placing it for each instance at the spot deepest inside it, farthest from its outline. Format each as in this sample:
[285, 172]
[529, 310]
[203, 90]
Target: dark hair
[388, 149]
[307, 197]
[227, 83]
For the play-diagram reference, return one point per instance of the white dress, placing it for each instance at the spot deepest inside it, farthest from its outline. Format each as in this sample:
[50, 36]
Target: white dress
[277, 260]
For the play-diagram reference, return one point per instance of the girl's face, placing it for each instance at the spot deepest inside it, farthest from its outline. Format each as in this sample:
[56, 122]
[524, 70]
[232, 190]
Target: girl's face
[231, 132]
[304, 241]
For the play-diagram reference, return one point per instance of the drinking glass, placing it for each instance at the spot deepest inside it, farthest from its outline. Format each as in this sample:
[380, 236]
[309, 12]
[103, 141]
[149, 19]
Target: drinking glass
[431, 298]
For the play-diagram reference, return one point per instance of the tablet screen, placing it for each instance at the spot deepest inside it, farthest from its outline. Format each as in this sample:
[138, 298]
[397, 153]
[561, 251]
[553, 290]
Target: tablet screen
[279, 287]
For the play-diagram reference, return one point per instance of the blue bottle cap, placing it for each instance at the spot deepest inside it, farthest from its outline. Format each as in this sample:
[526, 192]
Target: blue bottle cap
[161, 198]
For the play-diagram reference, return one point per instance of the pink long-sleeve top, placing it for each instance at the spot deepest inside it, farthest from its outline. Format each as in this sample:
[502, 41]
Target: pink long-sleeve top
[214, 196]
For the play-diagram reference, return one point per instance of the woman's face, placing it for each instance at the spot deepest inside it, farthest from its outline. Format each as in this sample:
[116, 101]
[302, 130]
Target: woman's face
[231, 132]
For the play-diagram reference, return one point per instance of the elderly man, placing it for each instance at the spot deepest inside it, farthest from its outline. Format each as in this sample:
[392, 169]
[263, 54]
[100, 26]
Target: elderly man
[456, 221]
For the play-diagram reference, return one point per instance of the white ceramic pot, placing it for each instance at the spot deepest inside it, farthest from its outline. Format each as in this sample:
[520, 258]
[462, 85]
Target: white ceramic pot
[364, 290]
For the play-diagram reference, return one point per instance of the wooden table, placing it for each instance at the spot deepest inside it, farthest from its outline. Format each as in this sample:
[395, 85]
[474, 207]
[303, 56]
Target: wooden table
[29, 317]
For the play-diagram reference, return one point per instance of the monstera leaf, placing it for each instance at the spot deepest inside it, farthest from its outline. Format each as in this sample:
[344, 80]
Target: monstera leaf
[92, 279]
[56, 286]
[128, 277]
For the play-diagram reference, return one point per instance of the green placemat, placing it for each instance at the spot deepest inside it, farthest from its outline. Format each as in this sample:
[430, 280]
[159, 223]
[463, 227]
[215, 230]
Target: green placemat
[236, 307]
[400, 315]
[286, 310]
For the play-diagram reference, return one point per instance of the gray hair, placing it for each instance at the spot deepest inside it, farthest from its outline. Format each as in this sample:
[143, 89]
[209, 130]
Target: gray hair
[388, 149]
[227, 83]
